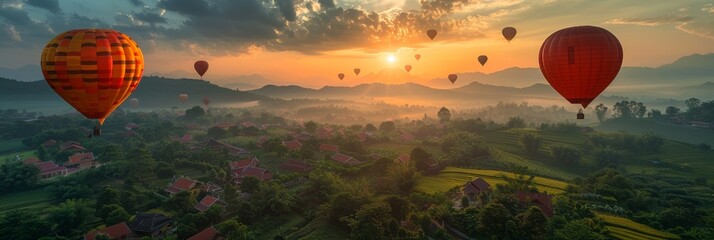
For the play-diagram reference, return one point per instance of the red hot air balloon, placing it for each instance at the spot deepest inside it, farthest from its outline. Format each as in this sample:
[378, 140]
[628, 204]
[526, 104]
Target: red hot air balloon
[482, 59]
[134, 102]
[183, 97]
[408, 68]
[431, 33]
[357, 71]
[341, 76]
[418, 56]
[201, 67]
[580, 62]
[509, 33]
[94, 70]
[206, 101]
[452, 78]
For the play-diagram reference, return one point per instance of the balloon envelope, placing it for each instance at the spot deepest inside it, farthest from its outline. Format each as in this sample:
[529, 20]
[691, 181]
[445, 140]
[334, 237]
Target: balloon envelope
[206, 101]
[183, 97]
[482, 59]
[94, 70]
[509, 33]
[357, 71]
[431, 33]
[580, 62]
[408, 68]
[134, 102]
[341, 76]
[452, 78]
[201, 67]
[418, 56]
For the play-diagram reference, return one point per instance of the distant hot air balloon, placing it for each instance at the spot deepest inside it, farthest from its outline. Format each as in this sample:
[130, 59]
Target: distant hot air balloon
[201, 67]
[482, 59]
[418, 56]
[357, 71]
[452, 78]
[408, 68]
[509, 33]
[134, 102]
[206, 101]
[341, 76]
[183, 97]
[580, 62]
[94, 70]
[431, 33]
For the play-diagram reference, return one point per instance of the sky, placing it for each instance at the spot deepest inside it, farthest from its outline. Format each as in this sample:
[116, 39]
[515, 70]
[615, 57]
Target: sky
[310, 41]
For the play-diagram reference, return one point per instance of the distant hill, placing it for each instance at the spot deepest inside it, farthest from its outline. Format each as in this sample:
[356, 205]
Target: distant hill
[25, 73]
[153, 92]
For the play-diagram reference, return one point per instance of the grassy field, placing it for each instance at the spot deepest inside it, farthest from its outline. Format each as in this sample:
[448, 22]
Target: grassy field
[675, 132]
[318, 229]
[33, 200]
[453, 177]
[622, 228]
[399, 148]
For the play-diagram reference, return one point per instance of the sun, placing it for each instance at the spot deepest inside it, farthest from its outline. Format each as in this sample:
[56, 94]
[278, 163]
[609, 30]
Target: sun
[391, 58]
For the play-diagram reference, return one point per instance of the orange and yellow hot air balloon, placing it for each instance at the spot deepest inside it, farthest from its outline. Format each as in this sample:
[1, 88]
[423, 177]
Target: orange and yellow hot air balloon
[94, 70]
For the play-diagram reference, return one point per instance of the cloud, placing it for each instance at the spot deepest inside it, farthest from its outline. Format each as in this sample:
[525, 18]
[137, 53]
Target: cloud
[287, 7]
[150, 17]
[703, 29]
[653, 21]
[137, 3]
[49, 5]
[326, 3]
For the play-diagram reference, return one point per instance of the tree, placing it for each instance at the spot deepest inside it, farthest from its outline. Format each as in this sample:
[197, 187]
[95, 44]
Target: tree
[217, 132]
[116, 216]
[444, 115]
[371, 221]
[692, 103]
[622, 109]
[111, 152]
[421, 158]
[235, 230]
[342, 205]
[42, 153]
[565, 154]
[606, 156]
[190, 224]
[107, 196]
[532, 223]
[311, 126]
[165, 170]
[516, 122]
[400, 206]
[672, 111]
[578, 230]
[387, 127]
[16, 176]
[23, 225]
[273, 198]
[601, 112]
[249, 184]
[195, 112]
[531, 142]
[370, 127]
[181, 203]
[71, 216]
[494, 218]
[655, 113]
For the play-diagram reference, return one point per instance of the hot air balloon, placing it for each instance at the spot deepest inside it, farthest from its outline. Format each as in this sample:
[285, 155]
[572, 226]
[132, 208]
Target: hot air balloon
[408, 68]
[418, 56]
[431, 33]
[183, 97]
[134, 102]
[94, 70]
[201, 67]
[580, 62]
[509, 33]
[357, 71]
[206, 101]
[341, 76]
[452, 78]
[482, 59]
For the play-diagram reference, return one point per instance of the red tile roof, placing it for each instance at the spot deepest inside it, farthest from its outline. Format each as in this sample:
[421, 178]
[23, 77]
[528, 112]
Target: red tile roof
[541, 200]
[79, 158]
[407, 137]
[344, 159]
[49, 143]
[72, 145]
[248, 124]
[404, 158]
[362, 137]
[329, 148]
[209, 233]
[30, 160]
[205, 203]
[477, 186]
[116, 231]
[224, 125]
[233, 150]
[293, 145]
[181, 184]
[253, 162]
[296, 166]
[259, 173]
[49, 167]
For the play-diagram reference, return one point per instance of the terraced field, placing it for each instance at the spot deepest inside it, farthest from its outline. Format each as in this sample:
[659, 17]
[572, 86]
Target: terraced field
[452, 177]
[623, 228]
[32, 200]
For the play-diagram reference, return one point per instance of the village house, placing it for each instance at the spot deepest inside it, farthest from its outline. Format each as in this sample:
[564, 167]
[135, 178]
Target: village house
[207, 202]
[292, 145]
[344, 159]
[216, 145]
[81, 161]
[475, 187]
[296, 166]
[224, 125]
[403, 159]
[544, 201]
[30, 160]
[329, 148]
[50, 169]
[250, 162]
[152, 225]
[407, 137]
[49, 143]
[250, 171]
[248, 124]
[210, 233]
[119, 231]
[186, 138]
[72, 146]
[301, 136]
[183, 184]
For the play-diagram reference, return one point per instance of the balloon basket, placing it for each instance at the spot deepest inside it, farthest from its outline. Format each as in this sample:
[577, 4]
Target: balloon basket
[581, 116]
